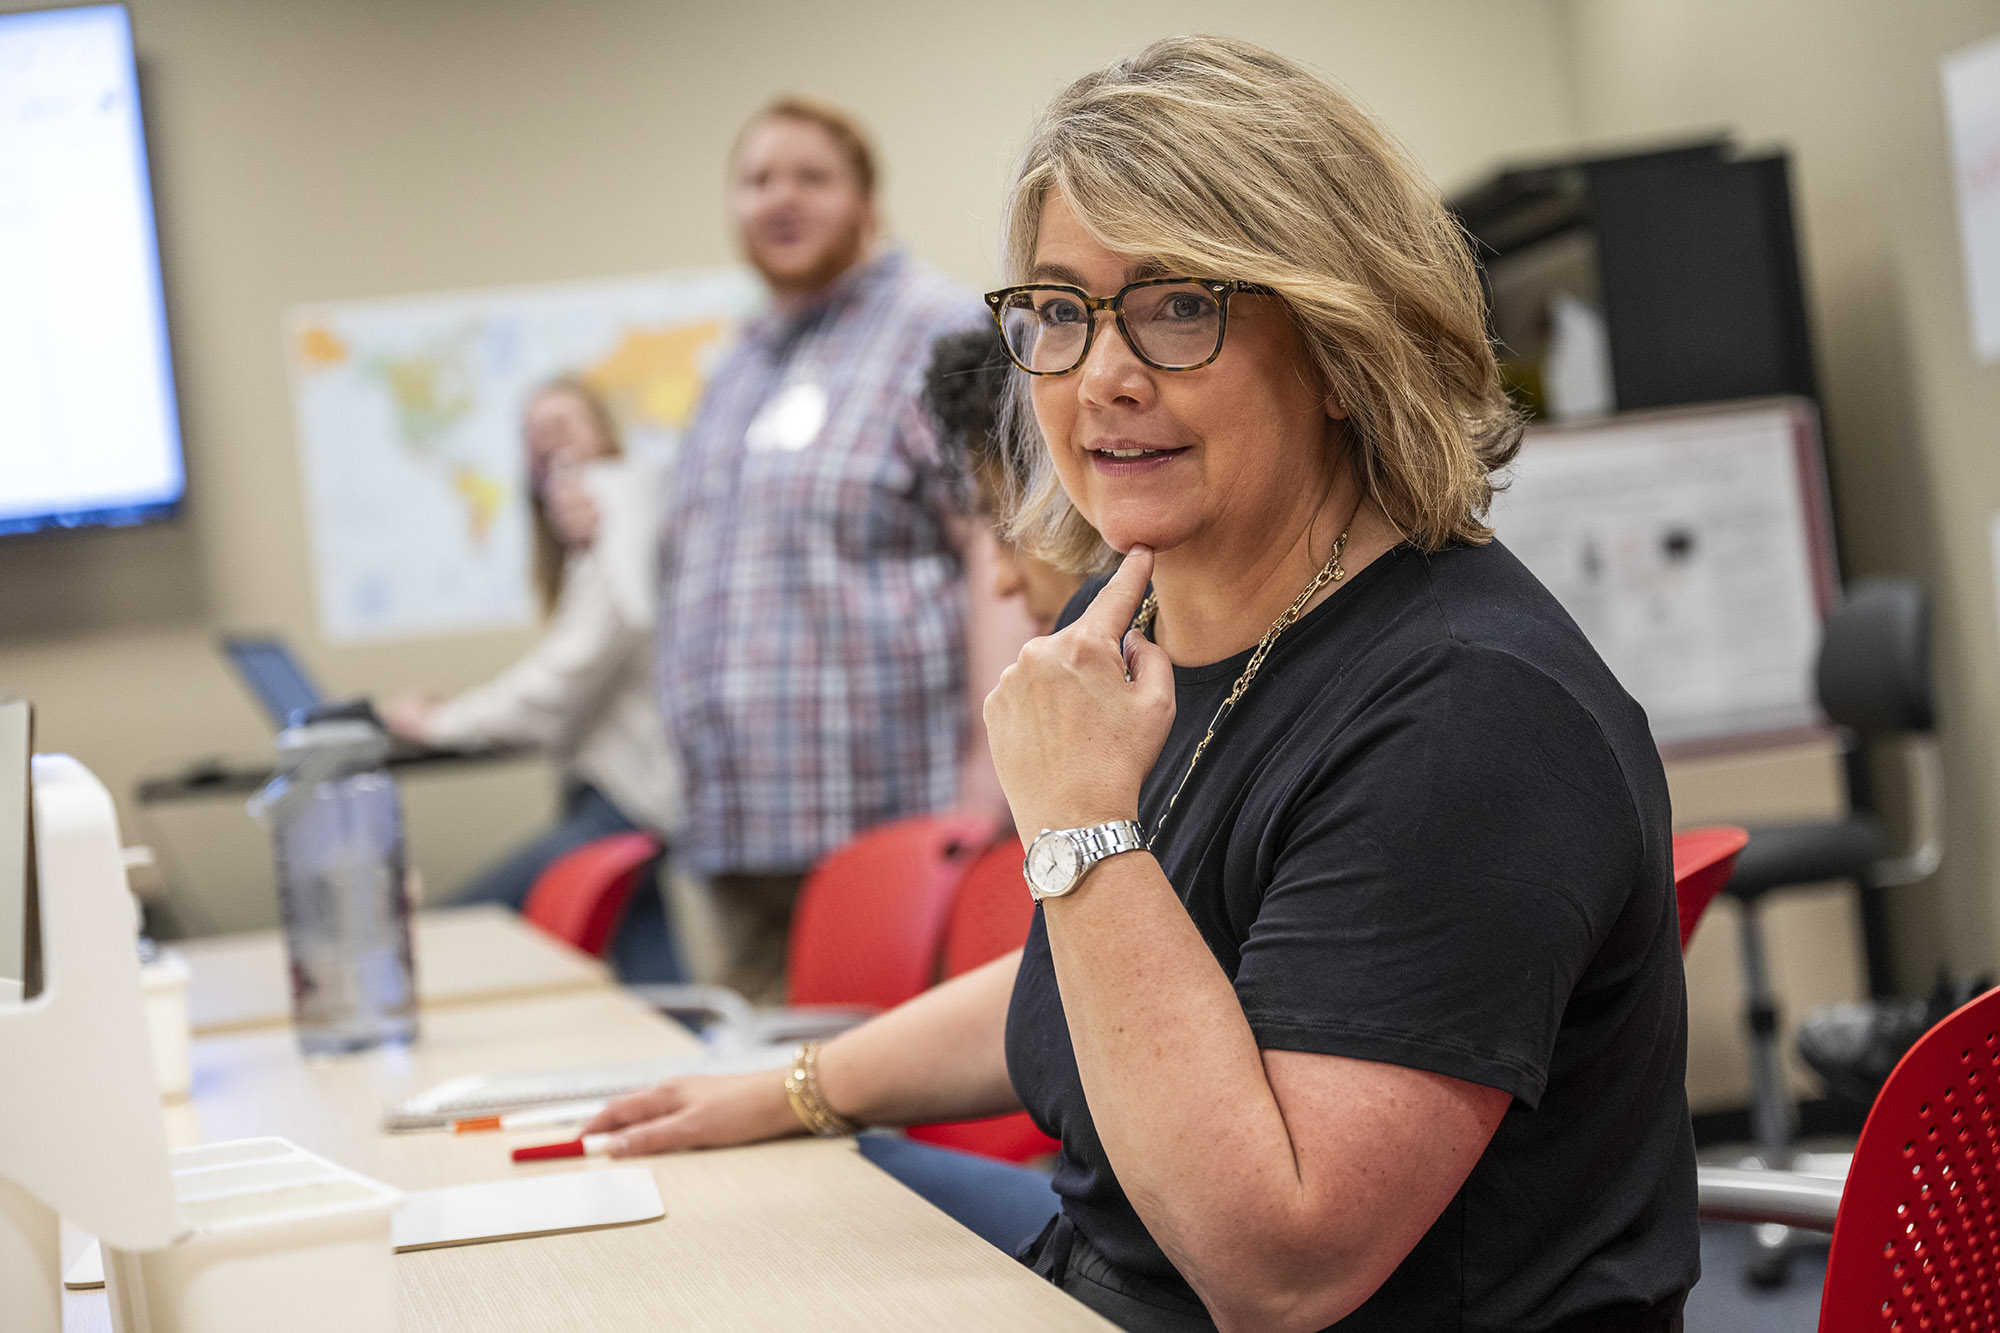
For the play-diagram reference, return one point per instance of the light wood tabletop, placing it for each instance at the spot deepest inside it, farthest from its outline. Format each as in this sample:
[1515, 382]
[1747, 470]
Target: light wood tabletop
[463, 955]
[799, 1234]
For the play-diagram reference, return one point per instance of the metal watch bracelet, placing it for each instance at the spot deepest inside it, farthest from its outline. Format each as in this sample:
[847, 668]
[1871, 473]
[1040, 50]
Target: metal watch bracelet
[1089, 845]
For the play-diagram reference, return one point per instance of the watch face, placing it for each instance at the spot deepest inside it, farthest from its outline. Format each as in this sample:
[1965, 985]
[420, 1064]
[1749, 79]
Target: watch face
[1052, 863]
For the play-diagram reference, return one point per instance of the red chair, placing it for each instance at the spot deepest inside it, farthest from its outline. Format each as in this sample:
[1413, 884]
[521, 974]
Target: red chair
[871, 917]
[580, 896]
[991, 911]
[1703, 860]
[1916, 1237]
[865, 937]
[989, 917]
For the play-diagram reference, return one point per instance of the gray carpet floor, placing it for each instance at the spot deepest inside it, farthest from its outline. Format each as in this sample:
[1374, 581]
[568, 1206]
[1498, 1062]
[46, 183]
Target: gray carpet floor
[1722, 1302]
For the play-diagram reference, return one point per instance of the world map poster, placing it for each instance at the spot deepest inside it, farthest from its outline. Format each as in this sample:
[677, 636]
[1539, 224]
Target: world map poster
[409, 426]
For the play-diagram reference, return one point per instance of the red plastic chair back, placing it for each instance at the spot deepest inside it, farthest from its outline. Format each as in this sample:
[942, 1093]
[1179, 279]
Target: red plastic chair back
[580, 896]
[1703, 858]
[991, 911]
[990, 915]
[1916, 1244]
[871, 915]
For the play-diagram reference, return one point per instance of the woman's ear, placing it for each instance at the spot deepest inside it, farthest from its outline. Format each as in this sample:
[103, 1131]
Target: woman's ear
[1336, 410]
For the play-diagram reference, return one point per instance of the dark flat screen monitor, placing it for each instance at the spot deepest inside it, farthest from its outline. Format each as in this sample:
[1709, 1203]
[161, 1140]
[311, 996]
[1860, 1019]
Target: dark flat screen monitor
[92, 432]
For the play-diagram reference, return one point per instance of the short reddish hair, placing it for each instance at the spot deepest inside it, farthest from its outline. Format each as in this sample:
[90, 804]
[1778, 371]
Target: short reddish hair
[847, 133]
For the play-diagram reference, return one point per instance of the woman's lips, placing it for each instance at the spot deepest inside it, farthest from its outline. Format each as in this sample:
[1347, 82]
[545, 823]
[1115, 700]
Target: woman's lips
[1125, 460]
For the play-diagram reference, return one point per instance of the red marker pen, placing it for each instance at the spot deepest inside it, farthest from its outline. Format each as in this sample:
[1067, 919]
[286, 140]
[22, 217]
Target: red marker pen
[590, 1145]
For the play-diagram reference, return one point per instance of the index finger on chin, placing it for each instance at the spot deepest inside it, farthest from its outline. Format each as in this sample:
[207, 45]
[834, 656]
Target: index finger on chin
[1110, 612]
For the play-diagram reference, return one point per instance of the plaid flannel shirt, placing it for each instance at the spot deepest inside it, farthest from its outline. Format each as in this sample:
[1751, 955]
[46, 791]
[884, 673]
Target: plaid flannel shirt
[811, 667]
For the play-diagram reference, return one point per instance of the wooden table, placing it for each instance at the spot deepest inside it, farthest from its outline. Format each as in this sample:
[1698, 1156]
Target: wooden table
[464, 955]
[799, 1234]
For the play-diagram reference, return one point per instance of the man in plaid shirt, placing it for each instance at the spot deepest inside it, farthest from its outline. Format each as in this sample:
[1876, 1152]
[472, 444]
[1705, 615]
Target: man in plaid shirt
[811, 668]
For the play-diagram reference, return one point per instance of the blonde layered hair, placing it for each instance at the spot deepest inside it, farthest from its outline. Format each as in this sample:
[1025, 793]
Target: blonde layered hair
[1220, 159]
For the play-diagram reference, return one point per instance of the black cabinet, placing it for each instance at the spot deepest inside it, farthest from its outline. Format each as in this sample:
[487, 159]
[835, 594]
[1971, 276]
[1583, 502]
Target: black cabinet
[1646, 280]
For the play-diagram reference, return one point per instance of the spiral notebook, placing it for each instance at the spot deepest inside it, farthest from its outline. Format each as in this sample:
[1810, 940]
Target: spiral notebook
[497, 1094]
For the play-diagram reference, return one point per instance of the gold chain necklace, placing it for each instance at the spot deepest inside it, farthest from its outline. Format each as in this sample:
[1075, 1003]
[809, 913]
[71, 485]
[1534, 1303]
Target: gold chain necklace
[1330, 572]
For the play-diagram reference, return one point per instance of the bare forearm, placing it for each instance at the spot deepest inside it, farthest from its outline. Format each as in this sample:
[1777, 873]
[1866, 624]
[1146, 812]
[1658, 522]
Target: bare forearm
[941, 1056]
[1177, 1087]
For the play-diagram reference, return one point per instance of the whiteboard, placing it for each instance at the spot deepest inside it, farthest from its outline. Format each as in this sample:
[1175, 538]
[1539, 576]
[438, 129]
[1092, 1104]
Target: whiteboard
[1693, 549]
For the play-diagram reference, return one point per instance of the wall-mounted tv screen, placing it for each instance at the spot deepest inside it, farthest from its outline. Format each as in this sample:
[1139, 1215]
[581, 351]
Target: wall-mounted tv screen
[89, 430]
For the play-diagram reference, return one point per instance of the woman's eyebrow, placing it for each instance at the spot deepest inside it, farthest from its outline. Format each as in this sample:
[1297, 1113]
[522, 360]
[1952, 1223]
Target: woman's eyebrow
[1140, 272]
[1056, 273]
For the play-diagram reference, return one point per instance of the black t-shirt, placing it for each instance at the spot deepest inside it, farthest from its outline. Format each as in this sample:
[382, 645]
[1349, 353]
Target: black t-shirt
[1434, 833]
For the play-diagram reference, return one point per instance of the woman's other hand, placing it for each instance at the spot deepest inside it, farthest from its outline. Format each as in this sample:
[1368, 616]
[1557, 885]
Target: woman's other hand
[1077, 723]
[572, 512]
[407, 715]
[699, 1111]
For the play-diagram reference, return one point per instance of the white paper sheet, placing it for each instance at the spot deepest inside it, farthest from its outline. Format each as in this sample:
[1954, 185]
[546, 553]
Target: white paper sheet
[1972, 112]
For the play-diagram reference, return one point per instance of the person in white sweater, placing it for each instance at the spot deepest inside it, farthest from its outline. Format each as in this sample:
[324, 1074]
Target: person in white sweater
[584, 691]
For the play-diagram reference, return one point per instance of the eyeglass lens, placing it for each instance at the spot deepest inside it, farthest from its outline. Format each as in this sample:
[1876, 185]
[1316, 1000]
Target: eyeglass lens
[1171, 325]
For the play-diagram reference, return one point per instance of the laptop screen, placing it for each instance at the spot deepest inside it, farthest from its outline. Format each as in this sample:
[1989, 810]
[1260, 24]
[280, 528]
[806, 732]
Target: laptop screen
[274, 676]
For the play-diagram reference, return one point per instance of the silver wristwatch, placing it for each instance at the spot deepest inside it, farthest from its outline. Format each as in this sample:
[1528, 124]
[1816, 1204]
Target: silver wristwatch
[1059, 858]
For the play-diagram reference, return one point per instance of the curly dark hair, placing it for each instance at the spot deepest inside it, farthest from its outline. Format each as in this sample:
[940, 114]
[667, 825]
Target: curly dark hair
[962, 389]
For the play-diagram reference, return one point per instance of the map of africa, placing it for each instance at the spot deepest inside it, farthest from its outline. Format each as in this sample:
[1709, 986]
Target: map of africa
[409, 431]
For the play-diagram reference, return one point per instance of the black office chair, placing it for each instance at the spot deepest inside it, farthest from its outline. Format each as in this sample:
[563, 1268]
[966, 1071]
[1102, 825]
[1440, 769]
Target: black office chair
[1874, 682]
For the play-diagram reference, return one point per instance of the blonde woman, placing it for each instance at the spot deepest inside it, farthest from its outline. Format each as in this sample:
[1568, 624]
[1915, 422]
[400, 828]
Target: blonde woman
[584, 691]
[1354, 993]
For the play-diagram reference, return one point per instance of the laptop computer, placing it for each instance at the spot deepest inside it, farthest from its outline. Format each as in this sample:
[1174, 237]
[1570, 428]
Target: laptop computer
[271, 671]
[267, 667]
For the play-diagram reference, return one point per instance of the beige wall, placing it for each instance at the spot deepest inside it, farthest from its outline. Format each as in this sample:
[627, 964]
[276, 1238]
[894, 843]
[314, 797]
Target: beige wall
[1851, 87]
[315, 152]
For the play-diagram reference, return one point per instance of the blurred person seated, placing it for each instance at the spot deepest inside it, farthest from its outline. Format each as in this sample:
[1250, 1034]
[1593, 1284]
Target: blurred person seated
[584, 692]
[1353, 988]
[962, 392]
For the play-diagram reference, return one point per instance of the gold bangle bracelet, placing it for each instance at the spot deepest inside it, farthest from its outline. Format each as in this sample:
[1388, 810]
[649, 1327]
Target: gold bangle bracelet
[809, 1104]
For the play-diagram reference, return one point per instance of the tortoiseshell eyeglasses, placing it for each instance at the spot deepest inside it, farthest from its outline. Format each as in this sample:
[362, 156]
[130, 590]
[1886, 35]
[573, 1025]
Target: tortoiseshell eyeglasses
[1169, 323]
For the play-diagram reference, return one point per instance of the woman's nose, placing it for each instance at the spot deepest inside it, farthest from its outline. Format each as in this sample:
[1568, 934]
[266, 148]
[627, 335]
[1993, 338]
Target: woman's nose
[1110, 369]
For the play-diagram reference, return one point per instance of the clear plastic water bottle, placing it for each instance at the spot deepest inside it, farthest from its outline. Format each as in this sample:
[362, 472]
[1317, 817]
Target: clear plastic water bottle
[336, 822]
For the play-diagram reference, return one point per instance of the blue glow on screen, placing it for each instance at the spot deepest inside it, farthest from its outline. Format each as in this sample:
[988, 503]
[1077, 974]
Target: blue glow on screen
[89, 427]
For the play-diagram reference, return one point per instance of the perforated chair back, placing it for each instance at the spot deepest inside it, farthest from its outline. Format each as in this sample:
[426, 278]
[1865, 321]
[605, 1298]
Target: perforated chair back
[870, 918]
[1916, 1244]
[1703, 860]
[990, 915]
[582, 894]
[1874, 669]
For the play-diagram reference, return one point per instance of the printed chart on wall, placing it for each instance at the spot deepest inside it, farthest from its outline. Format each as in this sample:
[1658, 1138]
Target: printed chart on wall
[1972, 110]
[1692, 548]
[408, 415]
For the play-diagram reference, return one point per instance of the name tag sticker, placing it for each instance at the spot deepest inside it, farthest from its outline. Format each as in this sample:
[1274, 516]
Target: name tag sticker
[790, 422]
